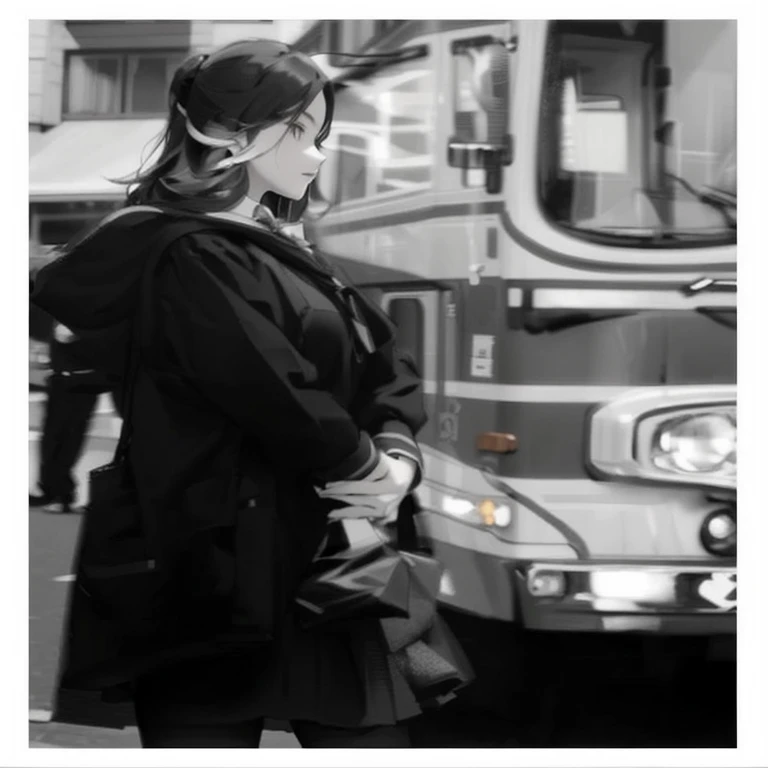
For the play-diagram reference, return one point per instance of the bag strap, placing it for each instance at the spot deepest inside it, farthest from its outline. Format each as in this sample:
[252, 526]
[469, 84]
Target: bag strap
[141, 332]
[406, 534]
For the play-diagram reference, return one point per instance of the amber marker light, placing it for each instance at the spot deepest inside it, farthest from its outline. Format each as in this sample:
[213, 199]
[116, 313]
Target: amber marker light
[496, 442]
[487, 510]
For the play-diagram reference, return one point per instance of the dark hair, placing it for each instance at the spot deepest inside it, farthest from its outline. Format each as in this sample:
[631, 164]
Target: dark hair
[241, 88]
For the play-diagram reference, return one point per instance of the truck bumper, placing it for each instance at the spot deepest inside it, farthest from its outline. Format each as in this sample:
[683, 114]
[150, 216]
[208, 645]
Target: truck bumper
[656, 597]
[669, 598]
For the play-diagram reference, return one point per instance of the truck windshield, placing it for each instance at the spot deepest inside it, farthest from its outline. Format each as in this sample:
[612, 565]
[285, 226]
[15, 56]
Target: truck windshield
[638, 131]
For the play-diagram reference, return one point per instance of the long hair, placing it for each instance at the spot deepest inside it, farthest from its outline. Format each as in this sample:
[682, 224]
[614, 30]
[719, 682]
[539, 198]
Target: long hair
[238, 90]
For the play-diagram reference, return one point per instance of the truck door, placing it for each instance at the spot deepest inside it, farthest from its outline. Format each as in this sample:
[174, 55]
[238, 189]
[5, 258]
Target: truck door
[415, 313]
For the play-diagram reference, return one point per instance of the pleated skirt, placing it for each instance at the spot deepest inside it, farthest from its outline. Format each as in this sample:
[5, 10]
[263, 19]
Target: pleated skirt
[343, 678]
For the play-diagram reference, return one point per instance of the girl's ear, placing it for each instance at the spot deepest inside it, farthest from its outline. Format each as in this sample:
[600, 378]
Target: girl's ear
[239, 153]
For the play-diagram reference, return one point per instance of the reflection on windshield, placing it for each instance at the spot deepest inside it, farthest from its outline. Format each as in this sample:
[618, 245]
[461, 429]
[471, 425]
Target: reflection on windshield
[381, 141]
[638, 131]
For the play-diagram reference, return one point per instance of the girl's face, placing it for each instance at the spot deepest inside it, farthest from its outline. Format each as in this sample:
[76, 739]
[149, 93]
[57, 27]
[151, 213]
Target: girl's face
[286, 159]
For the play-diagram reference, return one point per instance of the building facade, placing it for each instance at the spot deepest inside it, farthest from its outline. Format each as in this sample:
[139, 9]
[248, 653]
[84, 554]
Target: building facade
[97, 103]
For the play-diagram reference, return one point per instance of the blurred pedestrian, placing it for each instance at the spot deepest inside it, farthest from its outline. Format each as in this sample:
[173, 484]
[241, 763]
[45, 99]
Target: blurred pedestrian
[269, 397]
[72, 391]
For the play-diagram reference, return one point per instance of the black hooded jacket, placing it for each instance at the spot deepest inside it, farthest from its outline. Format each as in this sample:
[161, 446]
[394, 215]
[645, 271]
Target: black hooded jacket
[251, 392]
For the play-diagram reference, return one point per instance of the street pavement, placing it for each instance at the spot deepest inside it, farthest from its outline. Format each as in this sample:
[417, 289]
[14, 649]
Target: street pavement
[52, 540]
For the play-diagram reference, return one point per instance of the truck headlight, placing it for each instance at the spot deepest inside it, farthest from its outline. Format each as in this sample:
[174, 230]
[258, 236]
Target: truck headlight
[701, 443]
[684, 435]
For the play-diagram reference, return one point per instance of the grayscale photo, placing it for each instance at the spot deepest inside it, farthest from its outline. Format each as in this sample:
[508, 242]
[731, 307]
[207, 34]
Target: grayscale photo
[382, 384]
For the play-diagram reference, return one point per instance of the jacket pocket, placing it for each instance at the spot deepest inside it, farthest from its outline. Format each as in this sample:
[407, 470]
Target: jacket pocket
[207, 560]
[210, 503]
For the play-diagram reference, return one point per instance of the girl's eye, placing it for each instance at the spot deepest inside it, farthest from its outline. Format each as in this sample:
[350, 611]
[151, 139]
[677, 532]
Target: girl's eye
[297, 131]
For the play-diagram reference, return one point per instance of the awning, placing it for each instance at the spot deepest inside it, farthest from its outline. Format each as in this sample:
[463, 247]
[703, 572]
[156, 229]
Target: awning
[74, 160]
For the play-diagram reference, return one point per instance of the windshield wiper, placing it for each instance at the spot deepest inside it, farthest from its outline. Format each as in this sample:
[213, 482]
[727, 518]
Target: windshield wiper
[717, 199]
[719, 196]
[640, 236]
[359, 68]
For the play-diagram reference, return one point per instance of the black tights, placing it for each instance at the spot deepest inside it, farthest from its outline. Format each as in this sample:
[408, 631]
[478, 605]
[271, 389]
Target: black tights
[247, 735]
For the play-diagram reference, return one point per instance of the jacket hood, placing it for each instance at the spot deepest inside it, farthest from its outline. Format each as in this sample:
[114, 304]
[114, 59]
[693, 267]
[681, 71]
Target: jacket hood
[93, 287]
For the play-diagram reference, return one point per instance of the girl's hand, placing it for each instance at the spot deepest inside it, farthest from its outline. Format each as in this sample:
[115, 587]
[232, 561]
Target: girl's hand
[378, 495]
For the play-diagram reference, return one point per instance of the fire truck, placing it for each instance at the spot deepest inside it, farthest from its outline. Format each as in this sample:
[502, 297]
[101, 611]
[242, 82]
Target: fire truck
[547, 210]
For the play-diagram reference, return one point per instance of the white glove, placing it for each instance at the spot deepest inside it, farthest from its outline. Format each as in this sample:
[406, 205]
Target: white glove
[378, 495]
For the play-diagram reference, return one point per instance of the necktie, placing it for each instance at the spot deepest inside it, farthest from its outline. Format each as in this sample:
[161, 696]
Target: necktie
[264, 216]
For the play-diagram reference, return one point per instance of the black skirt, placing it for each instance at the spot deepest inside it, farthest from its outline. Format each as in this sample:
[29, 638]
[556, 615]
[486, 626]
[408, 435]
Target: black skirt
[338, 678]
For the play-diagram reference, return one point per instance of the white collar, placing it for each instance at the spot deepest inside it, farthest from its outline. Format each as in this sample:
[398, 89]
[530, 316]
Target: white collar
[293, 231]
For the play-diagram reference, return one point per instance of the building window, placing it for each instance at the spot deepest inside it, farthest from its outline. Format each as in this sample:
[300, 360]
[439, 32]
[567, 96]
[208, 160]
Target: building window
[55, 224]
[119, 83]
[383, 130]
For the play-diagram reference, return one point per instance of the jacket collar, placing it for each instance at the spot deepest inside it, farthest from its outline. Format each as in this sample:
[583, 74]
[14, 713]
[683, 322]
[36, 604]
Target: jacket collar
[282, 246]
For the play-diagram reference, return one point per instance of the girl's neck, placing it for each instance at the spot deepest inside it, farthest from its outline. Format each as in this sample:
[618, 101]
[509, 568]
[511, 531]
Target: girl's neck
[245, 207]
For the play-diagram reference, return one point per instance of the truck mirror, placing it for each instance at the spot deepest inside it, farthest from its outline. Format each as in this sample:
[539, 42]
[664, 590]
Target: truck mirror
[481, 108]
[477, 155]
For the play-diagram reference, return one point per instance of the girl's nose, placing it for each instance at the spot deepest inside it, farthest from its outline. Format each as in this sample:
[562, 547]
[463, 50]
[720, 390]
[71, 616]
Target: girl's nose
[316, 155]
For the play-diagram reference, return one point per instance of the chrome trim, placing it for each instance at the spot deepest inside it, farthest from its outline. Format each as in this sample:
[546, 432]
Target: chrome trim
[535, 393]
[558, 565]
[579, 598]
[619, 426]
[613, 298]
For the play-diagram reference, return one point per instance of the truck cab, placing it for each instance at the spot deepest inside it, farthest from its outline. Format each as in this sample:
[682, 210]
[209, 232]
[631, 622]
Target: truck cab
[548, 212]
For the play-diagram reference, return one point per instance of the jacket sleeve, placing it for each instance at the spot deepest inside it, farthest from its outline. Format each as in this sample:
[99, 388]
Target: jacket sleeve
[222, 323]
[390, 400]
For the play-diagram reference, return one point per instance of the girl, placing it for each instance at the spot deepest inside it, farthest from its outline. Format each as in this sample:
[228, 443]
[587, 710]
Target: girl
[270, 398]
